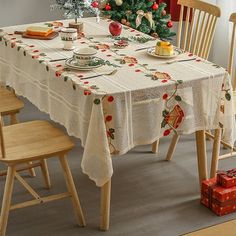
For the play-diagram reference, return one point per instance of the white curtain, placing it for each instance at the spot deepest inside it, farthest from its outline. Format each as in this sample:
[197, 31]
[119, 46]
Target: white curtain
[221, 43]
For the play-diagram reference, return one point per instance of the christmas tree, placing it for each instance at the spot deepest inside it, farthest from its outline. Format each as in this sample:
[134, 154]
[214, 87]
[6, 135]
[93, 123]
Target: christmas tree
[146, 16]
[76, 8]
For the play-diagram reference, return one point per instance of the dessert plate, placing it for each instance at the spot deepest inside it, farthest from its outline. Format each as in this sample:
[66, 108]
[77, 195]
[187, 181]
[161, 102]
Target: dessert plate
[177, 51]
[71, 63]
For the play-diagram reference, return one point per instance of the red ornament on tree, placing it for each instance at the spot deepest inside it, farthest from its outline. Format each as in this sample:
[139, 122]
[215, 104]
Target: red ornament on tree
[155, 6]
[107, 7]
[95, 4]
[169, 24]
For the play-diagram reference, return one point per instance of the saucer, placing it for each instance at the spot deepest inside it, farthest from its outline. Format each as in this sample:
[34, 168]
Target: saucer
[71, 63]
[177, 51]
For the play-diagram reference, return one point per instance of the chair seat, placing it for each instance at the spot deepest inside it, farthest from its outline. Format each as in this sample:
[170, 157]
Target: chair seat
[33, 140]
[9, 103]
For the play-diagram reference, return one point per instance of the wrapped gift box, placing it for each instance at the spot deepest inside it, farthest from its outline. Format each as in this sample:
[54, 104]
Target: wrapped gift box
[227, 179]
[220, 200]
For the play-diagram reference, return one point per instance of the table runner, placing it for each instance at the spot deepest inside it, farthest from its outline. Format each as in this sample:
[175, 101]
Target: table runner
[145, 100]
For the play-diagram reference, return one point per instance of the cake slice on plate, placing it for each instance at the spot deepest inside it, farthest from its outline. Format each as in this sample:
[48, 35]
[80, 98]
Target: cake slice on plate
[164, 49]
[38, 31]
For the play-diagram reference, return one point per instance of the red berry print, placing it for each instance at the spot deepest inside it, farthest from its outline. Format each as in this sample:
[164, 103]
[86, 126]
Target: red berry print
[131, 64]
[164, 81]
[165, 96]
[59, 65]
[110, 99]
[198, 60]
[87, 92]
[166, 132]
[36, 51]
[190, 54]
[86, 82]
[108, 118]
[137, 70]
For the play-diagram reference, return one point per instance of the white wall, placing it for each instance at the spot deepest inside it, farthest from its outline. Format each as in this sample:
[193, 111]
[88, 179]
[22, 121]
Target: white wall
[15, 12]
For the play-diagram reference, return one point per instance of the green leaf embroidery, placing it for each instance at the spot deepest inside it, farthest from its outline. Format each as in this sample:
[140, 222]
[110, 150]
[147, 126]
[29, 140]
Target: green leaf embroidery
[165, 113]
[228, 96]
[163, 124]
[111, 130]
[180, 81]
[97, 101]
[178, 98]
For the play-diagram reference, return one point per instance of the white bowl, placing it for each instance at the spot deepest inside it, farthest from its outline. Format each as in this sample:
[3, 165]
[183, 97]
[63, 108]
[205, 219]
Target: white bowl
[84, 55]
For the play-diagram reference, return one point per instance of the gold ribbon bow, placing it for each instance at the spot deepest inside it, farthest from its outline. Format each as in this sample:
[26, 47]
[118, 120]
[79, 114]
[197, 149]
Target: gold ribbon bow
[147, 15]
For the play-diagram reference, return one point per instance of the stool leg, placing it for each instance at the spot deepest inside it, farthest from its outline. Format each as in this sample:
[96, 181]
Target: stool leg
[45, 173]
[6, 202]
[72, 190]
[215, 152]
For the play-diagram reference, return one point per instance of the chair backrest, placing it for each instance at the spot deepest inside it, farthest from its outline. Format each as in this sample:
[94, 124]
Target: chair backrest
[232, 49]
[200, 24]
[2, 146]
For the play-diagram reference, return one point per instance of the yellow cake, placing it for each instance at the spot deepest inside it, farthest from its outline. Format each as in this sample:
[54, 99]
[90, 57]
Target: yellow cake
[164, 49]
[38, 31]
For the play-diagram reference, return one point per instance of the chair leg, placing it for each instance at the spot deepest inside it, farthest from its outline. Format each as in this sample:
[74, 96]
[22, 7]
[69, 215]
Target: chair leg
[155, 147]
[215, 153]
[172, 147]
[6, 202]
[105, 206]
[31, 170]
[45, 173]
[72, 190]
[13, 119]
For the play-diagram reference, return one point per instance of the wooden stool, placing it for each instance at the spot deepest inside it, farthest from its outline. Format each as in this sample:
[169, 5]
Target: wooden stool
[34, 141]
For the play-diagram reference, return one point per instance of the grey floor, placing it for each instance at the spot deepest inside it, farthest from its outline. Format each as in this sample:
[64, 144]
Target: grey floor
[149, 195]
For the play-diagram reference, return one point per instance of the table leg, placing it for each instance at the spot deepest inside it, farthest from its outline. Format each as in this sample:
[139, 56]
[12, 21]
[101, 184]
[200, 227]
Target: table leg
[201, 155]
[105, 205]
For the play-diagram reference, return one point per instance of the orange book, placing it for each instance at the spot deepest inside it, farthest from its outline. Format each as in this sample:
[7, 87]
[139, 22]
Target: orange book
[38, 31]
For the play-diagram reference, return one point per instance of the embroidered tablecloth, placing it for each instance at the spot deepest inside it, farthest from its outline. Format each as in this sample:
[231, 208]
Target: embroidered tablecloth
[145, 100]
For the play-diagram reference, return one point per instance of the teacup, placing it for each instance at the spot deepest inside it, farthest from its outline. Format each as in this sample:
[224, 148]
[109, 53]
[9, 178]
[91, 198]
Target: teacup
[68, 36]
[84, 56]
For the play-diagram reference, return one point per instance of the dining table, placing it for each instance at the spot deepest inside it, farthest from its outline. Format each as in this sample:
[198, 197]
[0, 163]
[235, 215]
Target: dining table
[128, 97]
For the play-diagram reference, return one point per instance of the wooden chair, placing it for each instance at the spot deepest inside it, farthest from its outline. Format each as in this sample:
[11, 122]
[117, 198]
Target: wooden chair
[10, 106]
[34, 141]
[195, 36]
[217, 137]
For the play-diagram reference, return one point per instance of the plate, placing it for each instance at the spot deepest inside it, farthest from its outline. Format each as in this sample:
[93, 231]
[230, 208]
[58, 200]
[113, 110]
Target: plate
[72, 64]
[177, 51]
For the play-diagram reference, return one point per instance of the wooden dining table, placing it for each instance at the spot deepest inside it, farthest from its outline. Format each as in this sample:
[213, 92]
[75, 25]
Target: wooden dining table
[128, 96]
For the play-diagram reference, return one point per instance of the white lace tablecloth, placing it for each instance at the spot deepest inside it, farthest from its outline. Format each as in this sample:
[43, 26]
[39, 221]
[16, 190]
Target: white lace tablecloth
[145, 100]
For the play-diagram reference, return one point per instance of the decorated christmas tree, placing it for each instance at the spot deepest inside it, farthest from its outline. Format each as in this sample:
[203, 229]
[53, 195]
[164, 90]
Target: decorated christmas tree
[146, 16]
[76, 8]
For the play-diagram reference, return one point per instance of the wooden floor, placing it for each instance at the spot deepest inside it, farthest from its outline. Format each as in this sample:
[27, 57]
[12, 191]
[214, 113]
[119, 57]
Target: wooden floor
[228, 228]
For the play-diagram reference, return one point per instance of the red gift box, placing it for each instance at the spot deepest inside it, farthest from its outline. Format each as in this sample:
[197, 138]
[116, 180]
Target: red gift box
[227, 178]
[220, 200]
